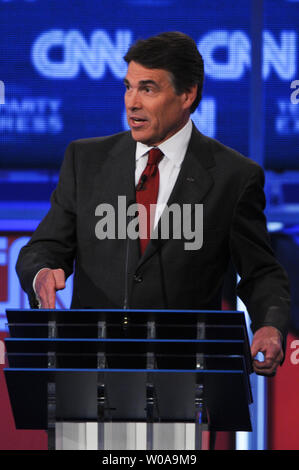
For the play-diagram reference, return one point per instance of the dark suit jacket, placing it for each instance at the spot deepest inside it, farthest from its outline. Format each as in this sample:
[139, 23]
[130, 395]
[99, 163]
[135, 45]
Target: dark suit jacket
[229, 186]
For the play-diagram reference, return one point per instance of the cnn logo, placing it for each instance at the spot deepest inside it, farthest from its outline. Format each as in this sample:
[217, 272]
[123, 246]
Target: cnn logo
[294, 358]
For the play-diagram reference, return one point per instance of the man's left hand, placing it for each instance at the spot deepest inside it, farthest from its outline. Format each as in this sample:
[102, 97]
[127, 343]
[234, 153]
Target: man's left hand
[267, 340]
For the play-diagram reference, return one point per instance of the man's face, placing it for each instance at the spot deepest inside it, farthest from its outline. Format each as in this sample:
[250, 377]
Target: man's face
[154, 111]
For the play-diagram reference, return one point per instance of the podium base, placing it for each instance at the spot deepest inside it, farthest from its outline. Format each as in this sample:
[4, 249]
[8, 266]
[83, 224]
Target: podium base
[126, 436]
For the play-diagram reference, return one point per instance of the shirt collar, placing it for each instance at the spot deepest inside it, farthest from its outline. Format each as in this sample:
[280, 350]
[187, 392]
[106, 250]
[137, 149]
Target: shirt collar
[173, 148]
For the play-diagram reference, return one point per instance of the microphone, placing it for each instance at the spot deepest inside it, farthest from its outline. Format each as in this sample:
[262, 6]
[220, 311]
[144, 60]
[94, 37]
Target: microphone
[140, 185]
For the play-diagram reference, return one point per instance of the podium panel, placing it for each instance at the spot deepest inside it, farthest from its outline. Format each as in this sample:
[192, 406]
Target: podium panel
[76, 391]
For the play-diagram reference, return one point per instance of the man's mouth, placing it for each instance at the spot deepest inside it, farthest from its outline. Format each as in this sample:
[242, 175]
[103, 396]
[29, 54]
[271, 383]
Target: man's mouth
[136, 121]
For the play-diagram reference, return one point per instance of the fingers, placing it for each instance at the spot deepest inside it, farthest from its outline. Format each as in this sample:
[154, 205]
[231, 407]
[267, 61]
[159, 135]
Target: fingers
[45, 288]
[272, 358]
[48, 281]
[267, 340]
[59, 278]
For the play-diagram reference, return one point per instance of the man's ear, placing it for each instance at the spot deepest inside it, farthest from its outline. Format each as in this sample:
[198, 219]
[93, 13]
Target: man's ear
[190, 96]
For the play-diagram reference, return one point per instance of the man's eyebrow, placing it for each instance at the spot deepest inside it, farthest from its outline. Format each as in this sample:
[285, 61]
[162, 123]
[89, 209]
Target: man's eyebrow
[148, 82]
[143, 82]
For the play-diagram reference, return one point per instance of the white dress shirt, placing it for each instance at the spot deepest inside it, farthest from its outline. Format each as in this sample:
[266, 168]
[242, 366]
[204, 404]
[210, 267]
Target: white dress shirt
[174, 150]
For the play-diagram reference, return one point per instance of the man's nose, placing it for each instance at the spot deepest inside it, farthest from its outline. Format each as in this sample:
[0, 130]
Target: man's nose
[133, 100]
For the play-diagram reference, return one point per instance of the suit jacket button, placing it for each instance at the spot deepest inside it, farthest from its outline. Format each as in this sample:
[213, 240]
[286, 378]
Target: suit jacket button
[138, 278]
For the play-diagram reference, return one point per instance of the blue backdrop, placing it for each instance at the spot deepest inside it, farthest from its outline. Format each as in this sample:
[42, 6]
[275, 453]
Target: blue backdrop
[62, 70]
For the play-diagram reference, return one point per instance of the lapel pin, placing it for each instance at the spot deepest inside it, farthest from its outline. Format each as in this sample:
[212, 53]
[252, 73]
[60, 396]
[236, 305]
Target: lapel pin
[190, 179]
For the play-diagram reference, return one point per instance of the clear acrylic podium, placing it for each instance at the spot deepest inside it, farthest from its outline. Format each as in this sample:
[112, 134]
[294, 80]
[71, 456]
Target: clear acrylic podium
[132, 369]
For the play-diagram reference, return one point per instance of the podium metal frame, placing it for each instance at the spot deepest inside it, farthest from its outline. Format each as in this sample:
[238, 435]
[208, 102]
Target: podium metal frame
[114, 365]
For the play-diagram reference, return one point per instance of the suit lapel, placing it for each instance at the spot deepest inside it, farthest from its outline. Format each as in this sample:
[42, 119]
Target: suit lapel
[119, 180]
[120, 169]
[193, 183]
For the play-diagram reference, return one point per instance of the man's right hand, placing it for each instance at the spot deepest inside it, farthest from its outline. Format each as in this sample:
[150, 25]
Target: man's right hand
[47, 282]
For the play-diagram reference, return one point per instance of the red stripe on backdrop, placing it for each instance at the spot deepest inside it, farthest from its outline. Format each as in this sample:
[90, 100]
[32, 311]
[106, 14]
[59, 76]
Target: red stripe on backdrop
[283, 397]
[3, 283]
[10, 437]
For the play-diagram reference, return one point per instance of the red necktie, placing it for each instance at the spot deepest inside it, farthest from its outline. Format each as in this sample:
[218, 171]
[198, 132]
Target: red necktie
[146, 194]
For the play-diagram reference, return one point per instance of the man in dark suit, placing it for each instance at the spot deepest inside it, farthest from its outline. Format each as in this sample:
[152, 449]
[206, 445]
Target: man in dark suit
[163, 87]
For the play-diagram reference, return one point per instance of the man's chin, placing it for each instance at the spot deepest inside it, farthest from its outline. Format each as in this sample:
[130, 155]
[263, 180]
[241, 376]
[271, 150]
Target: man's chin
[140, 137]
